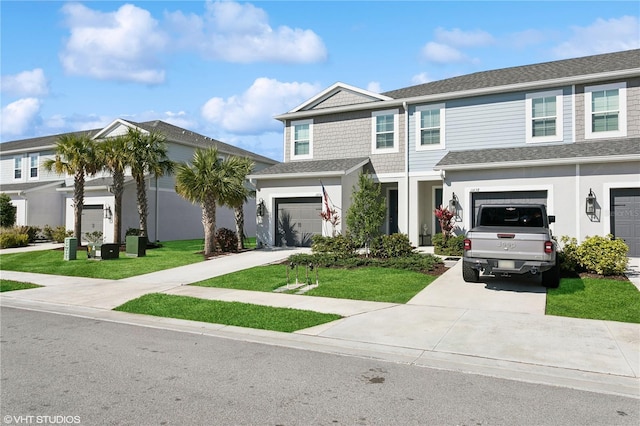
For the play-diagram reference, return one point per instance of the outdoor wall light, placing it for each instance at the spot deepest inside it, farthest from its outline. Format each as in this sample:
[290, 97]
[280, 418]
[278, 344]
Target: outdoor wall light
[590, 206]
[107, 213]
[260, 208]
[453, 203]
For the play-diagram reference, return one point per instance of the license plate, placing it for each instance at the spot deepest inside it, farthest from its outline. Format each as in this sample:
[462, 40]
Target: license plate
[506, 264]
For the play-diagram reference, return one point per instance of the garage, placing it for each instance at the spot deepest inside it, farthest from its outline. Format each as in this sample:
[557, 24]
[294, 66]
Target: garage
[509, 197]
[92, 219]
[297, 220]
[625, 217]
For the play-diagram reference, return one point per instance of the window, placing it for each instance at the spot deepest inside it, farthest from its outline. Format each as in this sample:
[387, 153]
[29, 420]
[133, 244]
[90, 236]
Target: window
[384, 131]
[544, 116]
[605, 111]
[33, 166]
[302, 139]
[430, 127]
[17, 168]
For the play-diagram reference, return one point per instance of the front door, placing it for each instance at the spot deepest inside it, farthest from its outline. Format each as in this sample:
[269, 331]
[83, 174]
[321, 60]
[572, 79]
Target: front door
[393, 211]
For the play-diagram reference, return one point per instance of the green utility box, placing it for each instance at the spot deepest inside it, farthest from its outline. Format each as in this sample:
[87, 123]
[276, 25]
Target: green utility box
[136, 246]
[70, 248]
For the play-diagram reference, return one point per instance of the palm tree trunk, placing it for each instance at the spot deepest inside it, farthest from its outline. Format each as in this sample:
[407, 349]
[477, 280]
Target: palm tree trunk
[239, 213]
[209, 224]
[78, 204]
[143, 207]
[118, 189]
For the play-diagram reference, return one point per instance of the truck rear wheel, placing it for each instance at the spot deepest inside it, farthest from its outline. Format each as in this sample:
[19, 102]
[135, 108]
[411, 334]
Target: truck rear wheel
[469, 274]
[551, 277]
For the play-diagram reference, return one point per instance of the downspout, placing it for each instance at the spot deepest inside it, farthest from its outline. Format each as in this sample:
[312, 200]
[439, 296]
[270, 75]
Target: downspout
[157, 239]
[406, 160]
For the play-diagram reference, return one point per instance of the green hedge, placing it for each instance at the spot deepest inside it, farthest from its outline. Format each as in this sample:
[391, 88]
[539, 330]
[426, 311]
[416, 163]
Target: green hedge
[600, 255]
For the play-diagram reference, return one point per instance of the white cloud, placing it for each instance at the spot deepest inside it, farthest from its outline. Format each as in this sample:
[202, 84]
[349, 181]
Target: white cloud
[19, 116]
[26, 83]
[602, 36]
[442, 53]
[458, 38]
[374, 86]
[252, 112]
[421, 78]
[59, 123]
[123, 45]
[241, 33]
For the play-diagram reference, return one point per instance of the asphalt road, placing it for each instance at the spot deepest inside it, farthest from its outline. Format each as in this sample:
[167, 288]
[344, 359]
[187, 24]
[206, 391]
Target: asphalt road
[82, 371]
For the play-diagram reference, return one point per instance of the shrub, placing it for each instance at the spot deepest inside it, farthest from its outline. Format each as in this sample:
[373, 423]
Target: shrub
[7, 211]
[12, 237]
[227, 239]
[31, 231]
[391, 246]
[57, 234]
[132, 231]
[568, 254]
[453, 246]
[340, 245]
[603, 255]
[94, 237]
[413, 262]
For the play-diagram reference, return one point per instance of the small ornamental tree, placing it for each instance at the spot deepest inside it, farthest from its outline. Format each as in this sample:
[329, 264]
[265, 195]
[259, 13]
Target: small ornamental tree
[7, 211]
[367, 211]
[445, 217]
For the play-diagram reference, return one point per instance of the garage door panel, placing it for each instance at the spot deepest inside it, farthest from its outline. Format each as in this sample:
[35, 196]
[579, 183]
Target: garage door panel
[298, 220]
[625, 217]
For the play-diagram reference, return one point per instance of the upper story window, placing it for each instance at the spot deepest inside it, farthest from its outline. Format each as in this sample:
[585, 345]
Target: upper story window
[384, 131]
[544, 116]
[17, 168]
[302, 139]
[33, 166]
[430, 127]
[605, 111]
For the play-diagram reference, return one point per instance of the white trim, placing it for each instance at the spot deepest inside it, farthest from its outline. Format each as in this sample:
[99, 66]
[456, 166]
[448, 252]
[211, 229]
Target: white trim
[622, 107]
[292, 152]
[396, 123]
[418, 123]
[542, 162]
[331, 90]
[559, 116]
[468, 190]
[573, 113]
[309, 174]
[387, 177]
[426, 174]
[577, 201]
[35, 155]
[21, 168]
[113, 124]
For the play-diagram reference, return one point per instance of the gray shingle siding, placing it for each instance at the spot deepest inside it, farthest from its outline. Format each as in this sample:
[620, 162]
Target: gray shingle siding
[344, 97]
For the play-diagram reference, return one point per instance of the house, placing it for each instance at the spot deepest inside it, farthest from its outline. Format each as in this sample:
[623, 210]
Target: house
[46, 198]
[563, 133]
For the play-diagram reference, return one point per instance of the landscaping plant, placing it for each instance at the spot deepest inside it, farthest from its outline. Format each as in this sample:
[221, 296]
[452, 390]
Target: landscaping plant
[367, 211]
[7, 211]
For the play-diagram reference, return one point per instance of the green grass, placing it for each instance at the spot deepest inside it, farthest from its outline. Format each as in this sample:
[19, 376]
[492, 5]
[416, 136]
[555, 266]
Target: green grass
[595, 298]
[8, 285]
[171, 255]
[369, 283]
[228, 313]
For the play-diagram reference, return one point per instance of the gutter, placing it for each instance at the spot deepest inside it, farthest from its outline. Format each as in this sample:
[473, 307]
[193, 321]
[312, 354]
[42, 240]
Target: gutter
[406, 160]
[547, 162]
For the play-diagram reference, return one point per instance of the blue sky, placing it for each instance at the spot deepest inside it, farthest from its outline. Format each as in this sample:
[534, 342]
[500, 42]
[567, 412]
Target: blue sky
[224, 69]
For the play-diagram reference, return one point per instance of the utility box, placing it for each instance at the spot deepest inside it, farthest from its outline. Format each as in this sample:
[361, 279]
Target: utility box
[70, 248]
[98, 251]
[136, 246]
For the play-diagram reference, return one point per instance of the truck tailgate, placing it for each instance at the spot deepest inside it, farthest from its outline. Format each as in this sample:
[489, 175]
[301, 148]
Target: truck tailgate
[507, 243]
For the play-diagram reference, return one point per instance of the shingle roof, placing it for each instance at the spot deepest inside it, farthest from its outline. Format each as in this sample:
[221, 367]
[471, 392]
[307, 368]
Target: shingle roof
[26, 186]
[312, 167]
[173, 134]
[524, 74]
[604, 148]
[104, 181]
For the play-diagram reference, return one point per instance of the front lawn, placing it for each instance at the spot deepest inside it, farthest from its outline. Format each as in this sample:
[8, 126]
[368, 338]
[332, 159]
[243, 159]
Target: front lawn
[368, 283]
[228, 313]
[595, 298]
[8, 285]
[172, 254]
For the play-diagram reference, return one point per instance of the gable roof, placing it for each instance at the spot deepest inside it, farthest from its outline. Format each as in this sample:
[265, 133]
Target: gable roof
[24, 187]
[336, 88]
[337, 167]
[570, 153]
[566, 68]
[173, 133]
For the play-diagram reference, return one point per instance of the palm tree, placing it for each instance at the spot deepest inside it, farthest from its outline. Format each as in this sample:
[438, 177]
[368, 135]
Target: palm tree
[147, 155]
[240, 197]
[207, 181]
[113, 155]
[75, 155]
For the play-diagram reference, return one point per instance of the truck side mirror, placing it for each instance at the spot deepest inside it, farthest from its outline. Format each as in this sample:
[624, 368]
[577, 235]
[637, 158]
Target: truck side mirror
[552, 219]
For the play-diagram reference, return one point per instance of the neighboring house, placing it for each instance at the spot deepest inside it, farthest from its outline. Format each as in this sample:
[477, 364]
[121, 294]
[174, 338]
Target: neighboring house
[46, 198]
[563, 133]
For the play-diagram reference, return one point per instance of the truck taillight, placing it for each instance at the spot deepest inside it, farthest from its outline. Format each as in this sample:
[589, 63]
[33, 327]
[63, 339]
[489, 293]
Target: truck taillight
[548, 247]
[467, 244]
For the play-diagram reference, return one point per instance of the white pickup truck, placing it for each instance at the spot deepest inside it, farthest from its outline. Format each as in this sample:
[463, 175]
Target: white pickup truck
[511, 239]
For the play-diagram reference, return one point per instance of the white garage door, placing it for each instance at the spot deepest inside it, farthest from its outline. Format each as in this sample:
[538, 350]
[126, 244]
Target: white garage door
[625, 217]
[510, 197]
[92, 219]
[297, 220]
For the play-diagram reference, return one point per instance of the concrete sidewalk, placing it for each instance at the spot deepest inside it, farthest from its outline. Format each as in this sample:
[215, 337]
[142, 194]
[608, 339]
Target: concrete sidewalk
[486, 328]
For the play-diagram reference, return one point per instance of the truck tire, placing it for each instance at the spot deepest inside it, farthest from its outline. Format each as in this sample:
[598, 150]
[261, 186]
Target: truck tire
[469, 274]
[551, 277]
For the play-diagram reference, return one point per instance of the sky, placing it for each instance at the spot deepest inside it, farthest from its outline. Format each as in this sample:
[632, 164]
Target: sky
[225, 69]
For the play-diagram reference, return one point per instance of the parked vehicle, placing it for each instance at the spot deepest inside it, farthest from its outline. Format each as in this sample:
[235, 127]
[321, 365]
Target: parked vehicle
[511, 239]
